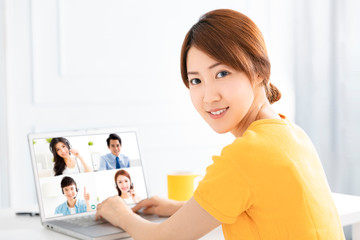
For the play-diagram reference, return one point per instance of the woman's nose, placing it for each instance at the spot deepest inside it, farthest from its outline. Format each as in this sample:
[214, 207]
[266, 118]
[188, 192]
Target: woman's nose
[211, 93]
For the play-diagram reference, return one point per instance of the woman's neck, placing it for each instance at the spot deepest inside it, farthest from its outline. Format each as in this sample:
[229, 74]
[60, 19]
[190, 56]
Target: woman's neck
[69, 162]
[125, 195]
[260, 109]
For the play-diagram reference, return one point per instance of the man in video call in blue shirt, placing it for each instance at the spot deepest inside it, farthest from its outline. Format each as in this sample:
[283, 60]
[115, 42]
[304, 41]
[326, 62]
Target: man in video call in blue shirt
[115, 159]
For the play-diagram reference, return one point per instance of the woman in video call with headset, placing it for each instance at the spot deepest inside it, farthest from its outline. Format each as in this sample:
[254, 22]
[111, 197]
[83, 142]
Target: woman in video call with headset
[66, 159]
[125, 187]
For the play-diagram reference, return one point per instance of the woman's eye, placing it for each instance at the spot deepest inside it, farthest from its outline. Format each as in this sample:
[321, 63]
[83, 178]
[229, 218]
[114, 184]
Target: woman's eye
[222, 74]
[195, 81]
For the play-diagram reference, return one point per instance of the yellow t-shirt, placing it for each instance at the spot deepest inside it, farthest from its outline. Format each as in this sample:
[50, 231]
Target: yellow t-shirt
[270, 184]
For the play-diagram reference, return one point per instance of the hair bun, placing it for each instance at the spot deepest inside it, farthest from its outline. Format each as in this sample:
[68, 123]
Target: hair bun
[273, 94]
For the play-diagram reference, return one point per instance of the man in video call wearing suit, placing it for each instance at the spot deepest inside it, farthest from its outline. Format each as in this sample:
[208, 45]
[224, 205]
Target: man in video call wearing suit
[115, 159]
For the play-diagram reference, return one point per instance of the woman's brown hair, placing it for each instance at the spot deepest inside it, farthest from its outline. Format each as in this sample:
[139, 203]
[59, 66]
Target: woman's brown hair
[59, 162]
[234, 40]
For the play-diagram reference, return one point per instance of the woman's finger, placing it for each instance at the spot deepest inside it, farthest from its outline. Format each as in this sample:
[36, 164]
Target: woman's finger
[149, 210]
[141, 204]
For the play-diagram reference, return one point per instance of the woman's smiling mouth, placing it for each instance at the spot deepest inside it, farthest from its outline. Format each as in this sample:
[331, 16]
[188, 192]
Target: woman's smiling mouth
[217, 113]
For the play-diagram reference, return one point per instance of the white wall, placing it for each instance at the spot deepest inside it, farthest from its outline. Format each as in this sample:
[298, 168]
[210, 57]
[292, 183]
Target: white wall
[88, 64]
[4, 177]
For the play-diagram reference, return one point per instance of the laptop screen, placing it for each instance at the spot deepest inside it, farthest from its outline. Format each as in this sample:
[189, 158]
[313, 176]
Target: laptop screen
[74, 171]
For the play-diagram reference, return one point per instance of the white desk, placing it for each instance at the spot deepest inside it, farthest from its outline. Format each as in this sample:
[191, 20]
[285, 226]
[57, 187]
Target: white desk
[25, 227]
[14, 227]
[348, 207]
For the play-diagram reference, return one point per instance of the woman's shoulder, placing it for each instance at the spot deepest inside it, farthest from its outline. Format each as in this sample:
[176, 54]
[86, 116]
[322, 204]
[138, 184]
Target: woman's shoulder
[262, 137]
[251, 139]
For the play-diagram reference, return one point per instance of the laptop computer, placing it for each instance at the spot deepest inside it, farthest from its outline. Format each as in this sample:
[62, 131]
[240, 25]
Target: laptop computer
[68, 194]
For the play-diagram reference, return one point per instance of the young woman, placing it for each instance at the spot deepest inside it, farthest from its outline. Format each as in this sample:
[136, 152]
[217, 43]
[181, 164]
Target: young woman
[66, 159]
[125, 187]
[267, 184]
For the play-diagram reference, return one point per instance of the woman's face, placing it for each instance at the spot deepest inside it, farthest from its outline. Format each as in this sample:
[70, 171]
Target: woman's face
[223, 96]
[123, 183]
[62, 150]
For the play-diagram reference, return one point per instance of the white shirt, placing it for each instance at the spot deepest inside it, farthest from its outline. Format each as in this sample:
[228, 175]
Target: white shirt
[78, 168]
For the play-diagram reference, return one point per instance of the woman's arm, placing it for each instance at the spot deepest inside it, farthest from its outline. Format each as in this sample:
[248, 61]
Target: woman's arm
[191, 221]
[76, 154]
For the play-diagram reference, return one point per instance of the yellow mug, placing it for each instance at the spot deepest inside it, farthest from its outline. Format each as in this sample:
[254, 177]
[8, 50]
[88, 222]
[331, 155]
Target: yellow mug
[181, 185]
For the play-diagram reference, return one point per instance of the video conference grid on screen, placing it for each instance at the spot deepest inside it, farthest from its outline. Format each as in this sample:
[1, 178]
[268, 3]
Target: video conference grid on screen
[78, 172]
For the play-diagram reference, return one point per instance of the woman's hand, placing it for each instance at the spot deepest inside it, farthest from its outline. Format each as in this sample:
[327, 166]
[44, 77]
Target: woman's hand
[113, 210]
[159, 206]
[134, 196]
[75, 152]
[132, 193]
[179, 226]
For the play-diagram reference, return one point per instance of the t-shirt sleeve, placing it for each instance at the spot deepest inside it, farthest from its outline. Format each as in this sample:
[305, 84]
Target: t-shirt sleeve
[224, 192]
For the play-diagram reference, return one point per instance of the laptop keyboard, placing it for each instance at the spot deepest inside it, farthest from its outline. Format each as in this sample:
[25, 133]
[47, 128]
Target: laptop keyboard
[85, 221]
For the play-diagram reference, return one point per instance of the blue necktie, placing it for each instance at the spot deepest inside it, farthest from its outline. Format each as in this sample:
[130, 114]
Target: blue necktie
[117, 162]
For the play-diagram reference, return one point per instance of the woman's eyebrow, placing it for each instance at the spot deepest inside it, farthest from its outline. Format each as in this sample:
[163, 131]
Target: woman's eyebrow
[194, 73]
[212, 66]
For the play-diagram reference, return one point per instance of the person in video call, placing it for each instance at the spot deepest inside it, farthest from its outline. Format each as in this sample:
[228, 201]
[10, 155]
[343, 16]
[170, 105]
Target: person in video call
[125, 187]
[67, 160]
[269, 182]
[72, 204]
[114, 159]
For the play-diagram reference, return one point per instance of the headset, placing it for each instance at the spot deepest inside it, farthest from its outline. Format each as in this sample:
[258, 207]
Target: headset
[77, 192]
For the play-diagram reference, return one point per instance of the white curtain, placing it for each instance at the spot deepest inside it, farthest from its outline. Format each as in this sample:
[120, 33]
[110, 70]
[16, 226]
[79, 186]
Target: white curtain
[327, 85]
